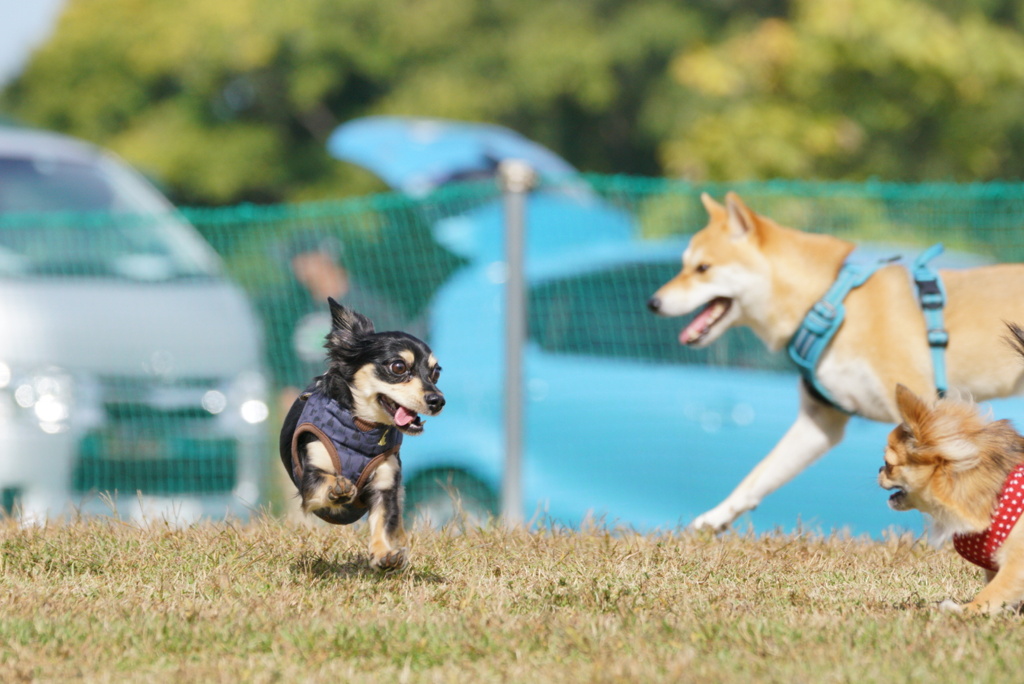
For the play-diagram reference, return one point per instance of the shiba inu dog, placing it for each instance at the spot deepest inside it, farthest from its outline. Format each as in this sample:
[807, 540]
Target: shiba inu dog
[967, 474]
[340, 440]
[745, 269]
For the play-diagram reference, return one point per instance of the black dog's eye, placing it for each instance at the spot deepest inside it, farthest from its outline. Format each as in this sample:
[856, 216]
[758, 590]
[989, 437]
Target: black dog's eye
[435, 373]
[398, 367]
[702, 267]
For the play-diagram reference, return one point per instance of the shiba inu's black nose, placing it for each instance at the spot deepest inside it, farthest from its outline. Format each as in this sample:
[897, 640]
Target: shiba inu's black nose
[654, 303]
[434, 401]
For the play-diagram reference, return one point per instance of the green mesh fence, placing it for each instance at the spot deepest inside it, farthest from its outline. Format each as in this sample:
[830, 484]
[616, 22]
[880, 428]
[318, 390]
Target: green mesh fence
[151, 358]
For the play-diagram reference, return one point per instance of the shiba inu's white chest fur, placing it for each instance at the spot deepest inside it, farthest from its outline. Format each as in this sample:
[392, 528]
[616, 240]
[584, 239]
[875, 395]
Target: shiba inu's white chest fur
[860, 388]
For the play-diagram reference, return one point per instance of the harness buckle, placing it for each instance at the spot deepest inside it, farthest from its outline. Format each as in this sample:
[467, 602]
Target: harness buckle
[932, 302]
[824, 309]
[820, 318]
[929, 293]
[938, 338]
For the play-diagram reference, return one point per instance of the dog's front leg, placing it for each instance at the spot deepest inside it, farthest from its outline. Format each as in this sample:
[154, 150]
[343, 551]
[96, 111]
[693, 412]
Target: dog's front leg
[322, 488]
[817, 429]
[387, 531]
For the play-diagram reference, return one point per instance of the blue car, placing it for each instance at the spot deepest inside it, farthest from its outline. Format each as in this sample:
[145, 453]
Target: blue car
[622, 424]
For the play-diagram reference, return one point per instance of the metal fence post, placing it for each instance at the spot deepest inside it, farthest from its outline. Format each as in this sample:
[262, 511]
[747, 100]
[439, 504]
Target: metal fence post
[516, 178]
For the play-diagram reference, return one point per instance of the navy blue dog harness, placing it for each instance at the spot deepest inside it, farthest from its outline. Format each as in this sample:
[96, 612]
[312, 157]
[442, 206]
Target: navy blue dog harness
[354, 451]
[824, 319]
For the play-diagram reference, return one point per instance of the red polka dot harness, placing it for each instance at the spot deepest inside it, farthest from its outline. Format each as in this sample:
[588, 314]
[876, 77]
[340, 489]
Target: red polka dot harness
[980, 547]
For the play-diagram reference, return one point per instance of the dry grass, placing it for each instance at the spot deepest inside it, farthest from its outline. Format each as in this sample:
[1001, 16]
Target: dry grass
[105, 601]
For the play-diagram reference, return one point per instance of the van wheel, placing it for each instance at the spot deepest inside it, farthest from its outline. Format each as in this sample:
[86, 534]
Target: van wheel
[440, 496]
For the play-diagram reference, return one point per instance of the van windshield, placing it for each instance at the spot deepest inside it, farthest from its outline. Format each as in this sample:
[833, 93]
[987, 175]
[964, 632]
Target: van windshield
[93, 217]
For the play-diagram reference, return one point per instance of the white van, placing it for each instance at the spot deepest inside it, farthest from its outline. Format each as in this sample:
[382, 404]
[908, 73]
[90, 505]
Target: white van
[131, 376]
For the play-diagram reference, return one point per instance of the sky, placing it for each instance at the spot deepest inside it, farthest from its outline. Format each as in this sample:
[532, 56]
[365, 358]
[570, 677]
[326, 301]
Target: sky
[24, 24]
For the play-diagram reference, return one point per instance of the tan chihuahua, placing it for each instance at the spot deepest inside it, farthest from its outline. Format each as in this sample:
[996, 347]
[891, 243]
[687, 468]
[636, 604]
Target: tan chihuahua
[967, 474]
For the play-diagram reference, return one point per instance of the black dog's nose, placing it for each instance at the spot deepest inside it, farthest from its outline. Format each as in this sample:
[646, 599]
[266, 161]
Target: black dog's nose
[881, 469]
[654, 304]
[435, 401]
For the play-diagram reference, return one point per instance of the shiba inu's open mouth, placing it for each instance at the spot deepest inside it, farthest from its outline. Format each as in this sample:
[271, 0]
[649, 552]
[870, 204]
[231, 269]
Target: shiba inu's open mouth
[407, 421]
[700, 326]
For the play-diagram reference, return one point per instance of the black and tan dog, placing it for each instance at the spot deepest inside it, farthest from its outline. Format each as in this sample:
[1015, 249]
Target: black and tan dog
[340, 440]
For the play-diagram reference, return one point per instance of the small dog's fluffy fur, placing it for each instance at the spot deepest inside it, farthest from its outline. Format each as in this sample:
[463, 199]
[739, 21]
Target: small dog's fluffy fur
[383, 379]
[947, 460]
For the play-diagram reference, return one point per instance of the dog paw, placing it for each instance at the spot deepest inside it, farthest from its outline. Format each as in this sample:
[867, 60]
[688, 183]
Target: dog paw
[950, 606]
[342, 491]
[712, 521]
[390, 561]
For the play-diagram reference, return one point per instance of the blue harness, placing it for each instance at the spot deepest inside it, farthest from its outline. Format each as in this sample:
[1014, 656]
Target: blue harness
[826, 316]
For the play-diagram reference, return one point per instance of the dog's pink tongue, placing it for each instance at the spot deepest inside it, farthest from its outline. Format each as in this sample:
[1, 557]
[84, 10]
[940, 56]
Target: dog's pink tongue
[403, 416]
[697, 325]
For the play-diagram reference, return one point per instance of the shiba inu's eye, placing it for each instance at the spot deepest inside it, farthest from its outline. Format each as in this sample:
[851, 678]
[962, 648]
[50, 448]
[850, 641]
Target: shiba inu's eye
[398, 367]
[701, 268]
[435, 373]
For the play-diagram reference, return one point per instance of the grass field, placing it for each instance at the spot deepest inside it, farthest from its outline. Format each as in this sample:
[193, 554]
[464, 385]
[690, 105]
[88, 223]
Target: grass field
[106, 601]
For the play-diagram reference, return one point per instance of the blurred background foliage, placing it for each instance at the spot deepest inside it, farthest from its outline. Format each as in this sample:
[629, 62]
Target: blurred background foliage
[232, 101]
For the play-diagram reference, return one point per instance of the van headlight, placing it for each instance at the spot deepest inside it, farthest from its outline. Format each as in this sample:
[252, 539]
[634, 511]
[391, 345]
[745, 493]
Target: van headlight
[248, 393]
[254, 411]
[47, 395]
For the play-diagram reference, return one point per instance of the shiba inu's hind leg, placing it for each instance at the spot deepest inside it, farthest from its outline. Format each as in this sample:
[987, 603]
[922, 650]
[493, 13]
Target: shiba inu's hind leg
[817, 429]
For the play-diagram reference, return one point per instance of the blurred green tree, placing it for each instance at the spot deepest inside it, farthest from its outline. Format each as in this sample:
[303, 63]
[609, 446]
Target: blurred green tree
[849, 89]
[232, 100]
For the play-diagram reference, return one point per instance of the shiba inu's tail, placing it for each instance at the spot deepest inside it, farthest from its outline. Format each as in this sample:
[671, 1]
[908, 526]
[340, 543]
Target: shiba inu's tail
[1016, 338]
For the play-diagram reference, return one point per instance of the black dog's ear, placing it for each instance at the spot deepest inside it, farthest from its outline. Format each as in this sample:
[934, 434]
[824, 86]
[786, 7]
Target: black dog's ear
[347, 325]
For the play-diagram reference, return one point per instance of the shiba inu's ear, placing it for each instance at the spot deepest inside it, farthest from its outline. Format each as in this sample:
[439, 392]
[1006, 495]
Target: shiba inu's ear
[911, 407]
[714, 209]
[741, 221]
[347, 326]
